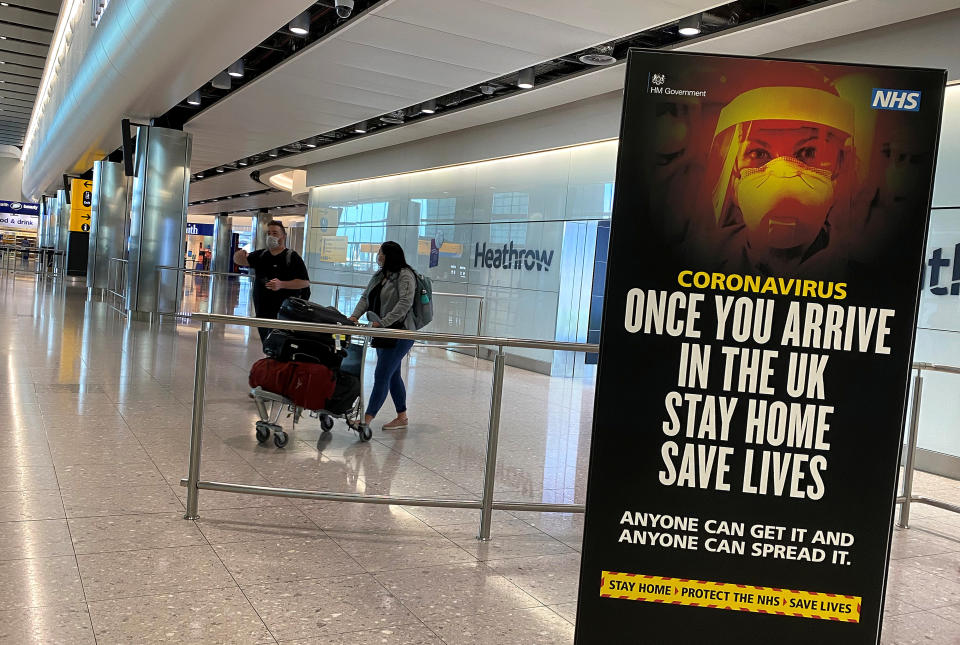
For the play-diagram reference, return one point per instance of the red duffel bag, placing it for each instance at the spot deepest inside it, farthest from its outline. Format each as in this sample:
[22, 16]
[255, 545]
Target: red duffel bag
[308, 385]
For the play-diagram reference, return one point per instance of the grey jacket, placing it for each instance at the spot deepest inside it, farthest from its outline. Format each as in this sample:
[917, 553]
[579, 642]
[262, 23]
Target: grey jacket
[396, 298]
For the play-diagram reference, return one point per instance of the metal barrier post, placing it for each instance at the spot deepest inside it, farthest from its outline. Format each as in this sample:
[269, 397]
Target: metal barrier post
[493, 438]
[908, 468]
[479, 327]
[196, 429]
[157, 313]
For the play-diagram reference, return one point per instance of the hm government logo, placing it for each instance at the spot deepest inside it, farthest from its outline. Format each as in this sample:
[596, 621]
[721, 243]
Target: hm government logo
[658, 79]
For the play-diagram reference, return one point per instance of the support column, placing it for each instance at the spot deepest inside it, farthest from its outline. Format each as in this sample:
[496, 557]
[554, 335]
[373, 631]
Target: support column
[108, 222]
[63, 221]
[222, 243]
[222, 262]
[158, 219]
[260, 229]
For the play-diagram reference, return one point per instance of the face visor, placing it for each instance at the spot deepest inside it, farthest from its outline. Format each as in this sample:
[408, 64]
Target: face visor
[783, 152]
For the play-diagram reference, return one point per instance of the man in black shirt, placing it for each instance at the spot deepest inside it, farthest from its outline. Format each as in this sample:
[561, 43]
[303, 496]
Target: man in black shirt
[279, 273]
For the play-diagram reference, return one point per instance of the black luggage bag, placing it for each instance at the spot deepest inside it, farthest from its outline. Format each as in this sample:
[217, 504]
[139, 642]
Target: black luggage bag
[344, 395]
[283, 345]
[300, 310]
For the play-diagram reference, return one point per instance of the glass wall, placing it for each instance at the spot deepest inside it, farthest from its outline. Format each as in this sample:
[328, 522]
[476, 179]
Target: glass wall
[938, 326]
[499, 229]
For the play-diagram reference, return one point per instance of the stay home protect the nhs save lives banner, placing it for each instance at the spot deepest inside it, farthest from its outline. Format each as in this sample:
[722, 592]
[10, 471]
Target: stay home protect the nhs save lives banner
[767, 242]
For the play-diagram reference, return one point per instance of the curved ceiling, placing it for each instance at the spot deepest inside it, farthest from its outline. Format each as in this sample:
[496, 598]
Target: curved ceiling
[142, 58]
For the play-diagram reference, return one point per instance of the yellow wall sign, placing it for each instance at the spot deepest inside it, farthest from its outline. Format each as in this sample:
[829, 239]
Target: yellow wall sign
[81, 198]
[333, 248]
[724, 595]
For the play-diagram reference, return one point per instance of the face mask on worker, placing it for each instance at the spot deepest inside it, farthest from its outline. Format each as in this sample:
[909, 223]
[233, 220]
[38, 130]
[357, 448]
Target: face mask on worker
[786, 185]
[273, 242]
[784, 203]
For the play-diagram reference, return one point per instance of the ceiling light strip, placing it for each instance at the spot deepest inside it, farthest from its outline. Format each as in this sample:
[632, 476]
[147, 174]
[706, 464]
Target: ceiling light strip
[57, 49]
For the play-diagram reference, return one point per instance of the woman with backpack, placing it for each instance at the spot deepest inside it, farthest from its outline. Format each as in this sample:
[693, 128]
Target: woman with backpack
[388, 302]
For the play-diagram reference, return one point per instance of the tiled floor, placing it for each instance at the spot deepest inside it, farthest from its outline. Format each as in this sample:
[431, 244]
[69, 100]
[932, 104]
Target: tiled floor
[94, 548]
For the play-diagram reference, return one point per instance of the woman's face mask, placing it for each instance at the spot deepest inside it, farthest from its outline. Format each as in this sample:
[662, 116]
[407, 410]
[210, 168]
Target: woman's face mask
[380, 259]
[786, 185]
[273, 242]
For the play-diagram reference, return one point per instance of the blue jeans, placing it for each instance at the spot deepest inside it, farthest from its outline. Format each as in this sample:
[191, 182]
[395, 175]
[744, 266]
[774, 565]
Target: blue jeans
[387, 377]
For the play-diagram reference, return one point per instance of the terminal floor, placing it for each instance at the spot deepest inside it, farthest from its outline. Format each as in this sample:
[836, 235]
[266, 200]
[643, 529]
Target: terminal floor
[95, 415]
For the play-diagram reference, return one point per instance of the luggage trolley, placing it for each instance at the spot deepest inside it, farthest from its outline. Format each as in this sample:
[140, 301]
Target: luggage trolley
[271, 405]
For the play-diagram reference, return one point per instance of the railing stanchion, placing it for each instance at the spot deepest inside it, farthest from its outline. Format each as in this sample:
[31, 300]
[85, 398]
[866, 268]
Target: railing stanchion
[908, 469]
[493, 438]
[479, 327]
[196, 429]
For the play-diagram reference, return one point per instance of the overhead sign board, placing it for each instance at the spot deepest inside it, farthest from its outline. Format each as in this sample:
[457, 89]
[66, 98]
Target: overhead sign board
[333, 248]
[81, 200]
[767, 240]
[20, 208]
[199, 229]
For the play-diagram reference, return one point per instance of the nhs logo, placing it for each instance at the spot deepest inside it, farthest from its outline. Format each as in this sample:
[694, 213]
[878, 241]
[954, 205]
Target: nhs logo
[903, 100]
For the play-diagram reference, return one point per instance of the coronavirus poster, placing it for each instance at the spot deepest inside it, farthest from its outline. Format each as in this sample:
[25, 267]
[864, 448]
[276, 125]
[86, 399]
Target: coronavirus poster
[766, 249]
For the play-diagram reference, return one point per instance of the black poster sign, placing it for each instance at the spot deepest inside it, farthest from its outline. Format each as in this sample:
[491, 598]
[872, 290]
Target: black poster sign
[767, 240]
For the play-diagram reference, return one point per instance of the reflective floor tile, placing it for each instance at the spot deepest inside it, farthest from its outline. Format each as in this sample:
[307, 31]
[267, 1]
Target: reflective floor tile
[514, 546]
[133, 532]
[106, 453]
[551, 579]
[272, 560]
[567, 611]
[103, 475]
[17, 506]
[392, 551]
[950, 612]
[921, 628]
[67, 624]
[34, 539]
[131, 500]
[540, 625]
[454, 590]
[315, 608]
[39, 582]
[38, 478]
[502, 526]
[364, 518]
[398, 635]
[255, 524]
[921, 588]
[127, 574]
[213, 616]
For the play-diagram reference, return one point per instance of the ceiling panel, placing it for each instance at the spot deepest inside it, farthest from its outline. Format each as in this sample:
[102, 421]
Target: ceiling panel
[818, 24]
[27, 28]
[265, 200]
[404, 52]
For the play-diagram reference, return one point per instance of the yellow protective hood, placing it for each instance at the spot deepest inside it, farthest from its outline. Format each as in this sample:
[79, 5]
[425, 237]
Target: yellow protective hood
[788, 104]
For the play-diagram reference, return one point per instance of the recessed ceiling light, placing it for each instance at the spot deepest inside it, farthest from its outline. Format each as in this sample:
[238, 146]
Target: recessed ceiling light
[429, 107]
[526, 79]
[194, 99]
[301, 24]
[311, 142]
[360, 128]
[220, 169]
[689, 26]
[273, 153]
[242, 162]
[236, 69]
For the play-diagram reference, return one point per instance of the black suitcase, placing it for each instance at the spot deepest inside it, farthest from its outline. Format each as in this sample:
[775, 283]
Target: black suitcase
[300, 310]
[344, 395]
[283, 345]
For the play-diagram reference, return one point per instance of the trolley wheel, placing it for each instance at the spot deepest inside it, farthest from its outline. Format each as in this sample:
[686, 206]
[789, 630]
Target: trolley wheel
[326, 422]
[263, 432]
[365, 432]
[280, 439]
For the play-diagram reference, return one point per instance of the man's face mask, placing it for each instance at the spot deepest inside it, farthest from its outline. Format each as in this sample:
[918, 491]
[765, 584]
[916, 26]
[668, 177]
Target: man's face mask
[786, 184]
[273, 242]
